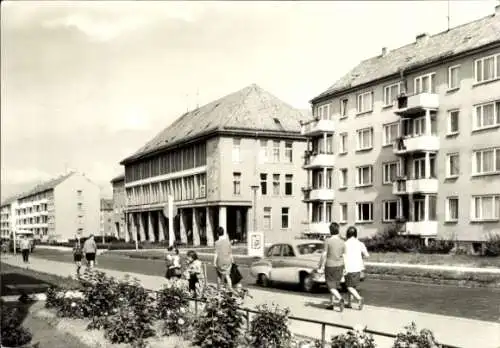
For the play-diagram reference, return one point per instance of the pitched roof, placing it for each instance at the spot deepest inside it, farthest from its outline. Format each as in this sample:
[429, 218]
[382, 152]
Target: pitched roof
[457, 40]
[44, 186]
[106, 204]
[120, 177]
[9, 200]
[251, 108]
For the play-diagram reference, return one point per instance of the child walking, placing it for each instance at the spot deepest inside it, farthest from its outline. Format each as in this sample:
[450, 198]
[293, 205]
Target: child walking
[77, 256]
[195, 274]
[173, 263]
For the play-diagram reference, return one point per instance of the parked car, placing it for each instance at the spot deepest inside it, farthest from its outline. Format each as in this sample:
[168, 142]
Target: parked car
[293, 262]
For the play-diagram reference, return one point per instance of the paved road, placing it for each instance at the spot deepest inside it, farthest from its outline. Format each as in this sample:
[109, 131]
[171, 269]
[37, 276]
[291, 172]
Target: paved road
[474, 303]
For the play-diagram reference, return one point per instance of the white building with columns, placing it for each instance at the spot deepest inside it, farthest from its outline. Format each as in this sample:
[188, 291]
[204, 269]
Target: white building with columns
[208, 160]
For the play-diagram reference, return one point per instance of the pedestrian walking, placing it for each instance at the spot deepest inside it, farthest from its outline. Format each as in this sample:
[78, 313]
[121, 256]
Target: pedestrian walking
[77, 256]
[25, 246]
[355, 250]
[173, 263]
[196, 274]
[332, 264]
[90, 250]
[223, 259]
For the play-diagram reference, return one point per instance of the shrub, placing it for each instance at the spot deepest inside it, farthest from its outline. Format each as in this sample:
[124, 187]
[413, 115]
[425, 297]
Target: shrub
[353, 339]
[99, 292]
[492, 245]
[172, 307]
[438, 246]
[13, 334]
[221, 323]
[53, 298]
[269, 328]
[130, 324]
[411, 338]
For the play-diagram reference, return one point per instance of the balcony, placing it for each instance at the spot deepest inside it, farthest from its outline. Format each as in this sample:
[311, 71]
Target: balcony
[316, 127]
[403, 186]
[415, 104]
[405, 145]
[426, 228]
[315, 160]
[319, 228]
[318, 194]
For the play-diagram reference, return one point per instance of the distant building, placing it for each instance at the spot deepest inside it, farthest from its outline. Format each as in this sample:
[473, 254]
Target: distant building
[416, 138]
[8, 217]
[59, 209]
[119, 205]
[208, 160]
[107, 228]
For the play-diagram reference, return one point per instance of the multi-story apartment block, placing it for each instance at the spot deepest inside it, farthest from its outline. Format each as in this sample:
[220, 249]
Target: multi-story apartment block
[106, 226]
[219, 162]
[59, 209]
[119, 205]
[8, 217]
[417, 134]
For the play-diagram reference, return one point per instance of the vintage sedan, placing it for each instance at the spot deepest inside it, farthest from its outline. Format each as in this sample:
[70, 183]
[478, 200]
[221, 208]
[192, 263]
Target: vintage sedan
[293, 262]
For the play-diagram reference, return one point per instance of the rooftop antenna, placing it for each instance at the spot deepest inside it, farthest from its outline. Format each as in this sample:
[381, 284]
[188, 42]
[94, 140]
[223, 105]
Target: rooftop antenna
[448, 17]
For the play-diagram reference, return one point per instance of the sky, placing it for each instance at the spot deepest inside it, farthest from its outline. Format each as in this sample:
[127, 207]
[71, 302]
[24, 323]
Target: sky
[85, 84]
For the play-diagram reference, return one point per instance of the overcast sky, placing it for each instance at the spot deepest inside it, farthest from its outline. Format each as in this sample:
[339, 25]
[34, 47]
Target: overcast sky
[85, 84]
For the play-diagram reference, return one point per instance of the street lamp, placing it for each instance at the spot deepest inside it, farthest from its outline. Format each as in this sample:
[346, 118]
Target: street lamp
[254, 207]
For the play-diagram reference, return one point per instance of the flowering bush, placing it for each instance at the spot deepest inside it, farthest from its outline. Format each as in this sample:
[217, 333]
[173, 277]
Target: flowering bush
[128, 326]
[411, 338]
[221, 323]
[269, 328]
[356, 338]
[172, 307]
[13, 334]
[99, 294]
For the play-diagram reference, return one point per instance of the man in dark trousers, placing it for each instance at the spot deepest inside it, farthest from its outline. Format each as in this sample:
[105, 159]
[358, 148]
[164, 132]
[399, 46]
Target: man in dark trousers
[25, 246]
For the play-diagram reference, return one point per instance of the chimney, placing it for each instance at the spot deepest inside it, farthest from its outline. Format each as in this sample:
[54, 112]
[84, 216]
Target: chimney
[384, 51]
[422, 37]
[497, 10]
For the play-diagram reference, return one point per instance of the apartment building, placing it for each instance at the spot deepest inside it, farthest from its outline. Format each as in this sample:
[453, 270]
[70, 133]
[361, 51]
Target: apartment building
[8, 217]
[235, 163]
[106, 220]
[119, 204]
[59, 209]
[417, 136]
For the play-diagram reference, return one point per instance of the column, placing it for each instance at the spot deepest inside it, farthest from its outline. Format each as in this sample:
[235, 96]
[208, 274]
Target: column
[161, 227]
[223, 218]
[126, 227]
[183, 226]
[324, 211]
[324, 178]
[151, 230]
[142, 232]
[426, 208]
[239, 223]
[411, 204]
[133, 226]
[310, 212]
[427, 165]
[209, 228]
[428, 130]
[325, 136]
[171, 234]
[196, 228]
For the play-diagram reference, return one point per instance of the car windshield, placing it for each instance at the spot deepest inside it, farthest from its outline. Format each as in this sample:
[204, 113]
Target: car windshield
[310, 248]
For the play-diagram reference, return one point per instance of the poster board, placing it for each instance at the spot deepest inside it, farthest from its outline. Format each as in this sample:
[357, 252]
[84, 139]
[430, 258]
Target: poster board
[255, 244]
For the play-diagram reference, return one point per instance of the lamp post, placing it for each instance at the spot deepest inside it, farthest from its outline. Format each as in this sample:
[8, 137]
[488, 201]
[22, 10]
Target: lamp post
[254, 189]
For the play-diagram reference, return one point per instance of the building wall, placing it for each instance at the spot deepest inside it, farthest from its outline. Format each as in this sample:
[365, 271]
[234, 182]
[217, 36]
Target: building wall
[106, 223]
[464, 142]
[119, 203]
[70, 216]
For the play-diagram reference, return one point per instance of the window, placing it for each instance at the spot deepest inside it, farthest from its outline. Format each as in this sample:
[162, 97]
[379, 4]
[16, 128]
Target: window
[414, 127]
[451, 209]
[287, 251]
[343, 143]
[364, 175]
[264, 155]
[390, 171]
[236, 183]
[343, 178]
[487, 68]
[486, 207]
[80, 205]
[365, 139]
[276, 184]
[390, 211]
[276, 151]
[452, 165]
[323, 112]
[365, 102]
[452, 127]
[288, 152]
[486, 115]
[288, 184]
[79, 193]
[364, 212]
[263, 184]
[425, 84]
[236, 150]
[343, 212]
[391, 133]
[391, 93]
[267, 224]
[454, 77]
[275, 250]
[343, 108]
[486, 161]
[285, 218]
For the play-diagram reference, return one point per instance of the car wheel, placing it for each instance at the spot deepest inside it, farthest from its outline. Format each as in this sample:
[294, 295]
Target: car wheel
[307, 283]
[263, 280]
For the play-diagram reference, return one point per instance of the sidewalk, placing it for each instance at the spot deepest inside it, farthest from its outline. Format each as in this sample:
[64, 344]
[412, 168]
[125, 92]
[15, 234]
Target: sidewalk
[454, 331]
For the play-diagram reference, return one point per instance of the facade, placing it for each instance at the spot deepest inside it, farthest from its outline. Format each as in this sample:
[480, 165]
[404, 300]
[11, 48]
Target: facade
[106, 218]
[7, 217]
[221, 163]
[59, 209]
[119, 205]
[417, 134]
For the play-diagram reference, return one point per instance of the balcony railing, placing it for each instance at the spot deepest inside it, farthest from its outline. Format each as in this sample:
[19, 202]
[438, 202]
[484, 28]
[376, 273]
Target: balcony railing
[318, 194]
[404, 145]
[317, 126]
[414, 104]
[404, 185]
[424, 228]
[318, 159]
